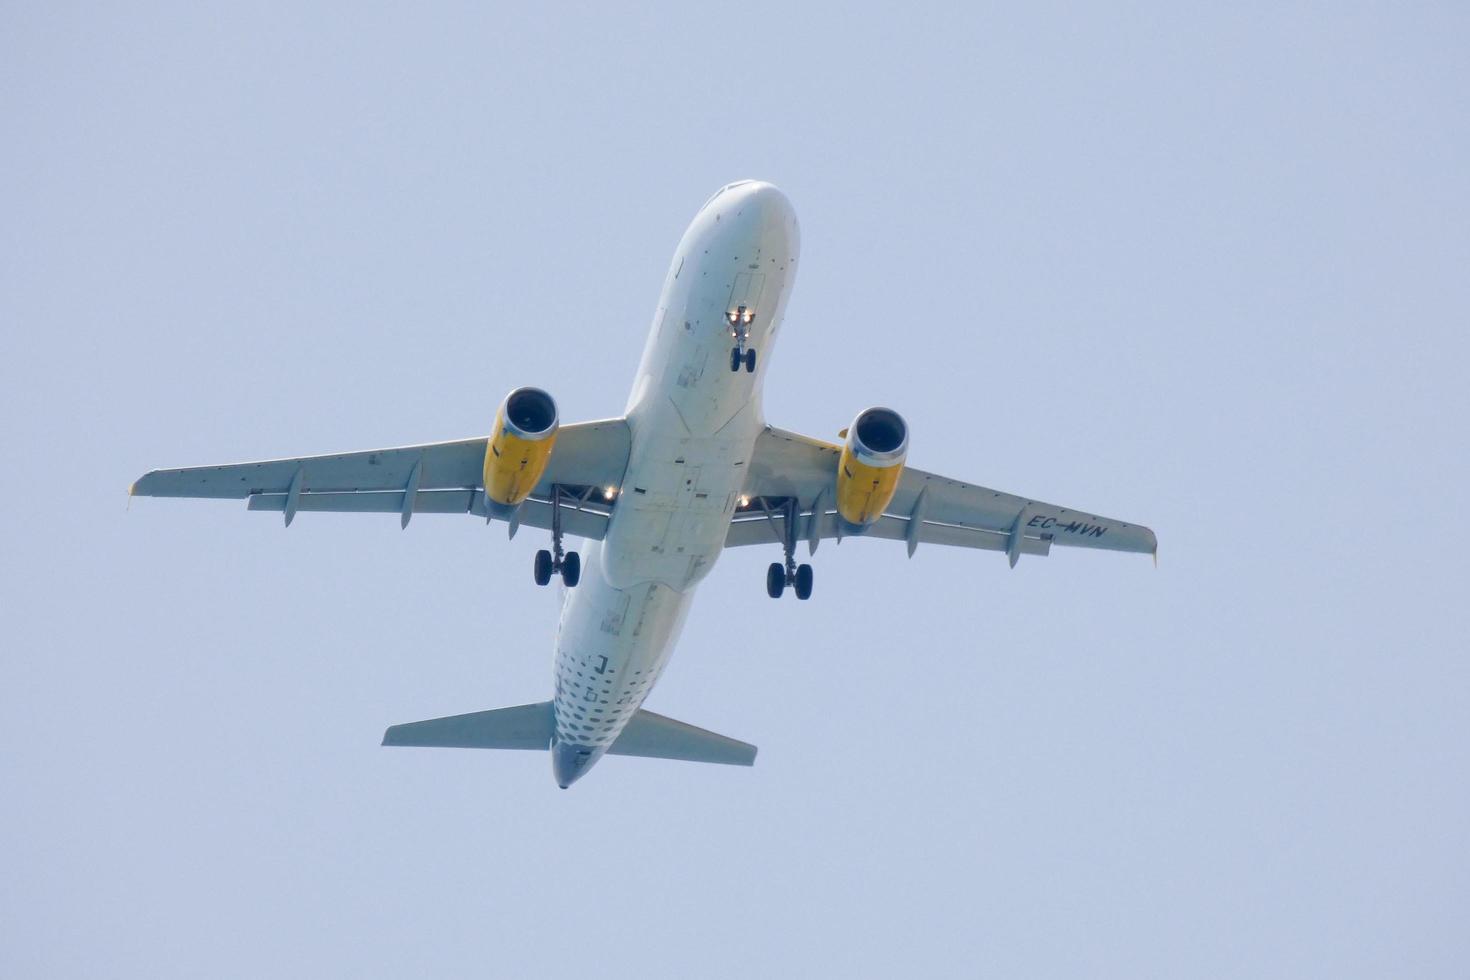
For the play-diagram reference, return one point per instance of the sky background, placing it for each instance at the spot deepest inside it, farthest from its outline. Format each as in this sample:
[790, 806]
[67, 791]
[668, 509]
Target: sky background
[1201, 270]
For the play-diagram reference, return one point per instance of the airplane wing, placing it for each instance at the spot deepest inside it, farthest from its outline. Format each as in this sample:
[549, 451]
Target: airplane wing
[793, 477]
[440, 477]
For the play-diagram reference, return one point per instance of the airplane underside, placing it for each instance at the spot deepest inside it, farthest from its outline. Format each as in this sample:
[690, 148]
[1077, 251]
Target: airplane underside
[691, 468]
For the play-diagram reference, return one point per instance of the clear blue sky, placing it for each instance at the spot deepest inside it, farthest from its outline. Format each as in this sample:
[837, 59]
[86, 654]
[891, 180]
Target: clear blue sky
[1206, 271]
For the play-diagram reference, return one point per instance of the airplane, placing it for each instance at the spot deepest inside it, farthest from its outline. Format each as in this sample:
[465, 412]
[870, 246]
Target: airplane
[689, 469]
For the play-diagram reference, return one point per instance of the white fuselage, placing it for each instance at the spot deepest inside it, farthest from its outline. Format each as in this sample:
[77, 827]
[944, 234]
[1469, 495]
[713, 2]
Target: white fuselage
[694, 422]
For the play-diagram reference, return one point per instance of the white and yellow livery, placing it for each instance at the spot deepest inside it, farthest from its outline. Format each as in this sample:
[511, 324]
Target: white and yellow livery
[689, 469]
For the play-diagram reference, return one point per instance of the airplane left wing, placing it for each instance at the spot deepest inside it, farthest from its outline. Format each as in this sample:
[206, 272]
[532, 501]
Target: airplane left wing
[793, 478]
[441, 477]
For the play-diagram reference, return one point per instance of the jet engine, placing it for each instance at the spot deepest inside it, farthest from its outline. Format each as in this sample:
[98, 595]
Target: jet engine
[519, 447]
[871, 464]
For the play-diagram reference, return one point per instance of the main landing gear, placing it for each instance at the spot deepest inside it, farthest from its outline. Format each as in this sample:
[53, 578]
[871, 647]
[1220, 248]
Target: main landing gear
[569, 565]
[780, 574]
[799, 577]
[740, 320]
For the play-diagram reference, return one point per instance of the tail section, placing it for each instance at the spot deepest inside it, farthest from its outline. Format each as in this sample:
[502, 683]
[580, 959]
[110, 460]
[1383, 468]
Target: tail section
[525, 726]
[656, 737]
[531, 726]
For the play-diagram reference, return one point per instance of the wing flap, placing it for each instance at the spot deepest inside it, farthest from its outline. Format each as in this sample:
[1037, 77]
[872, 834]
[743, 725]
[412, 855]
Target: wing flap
[578, 519]
[763, 530]
[372, 502]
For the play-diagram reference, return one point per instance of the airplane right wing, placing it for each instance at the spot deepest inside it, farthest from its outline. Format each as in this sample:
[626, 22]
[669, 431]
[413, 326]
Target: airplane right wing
[793, 478]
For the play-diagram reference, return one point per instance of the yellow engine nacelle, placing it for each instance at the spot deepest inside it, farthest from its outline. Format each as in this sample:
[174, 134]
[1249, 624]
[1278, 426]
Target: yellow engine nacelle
[519, 447]
[872, 462]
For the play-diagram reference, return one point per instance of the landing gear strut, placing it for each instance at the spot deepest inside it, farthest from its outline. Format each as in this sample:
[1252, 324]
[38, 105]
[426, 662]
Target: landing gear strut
[740, 320]
[569, 565]
[780, 574]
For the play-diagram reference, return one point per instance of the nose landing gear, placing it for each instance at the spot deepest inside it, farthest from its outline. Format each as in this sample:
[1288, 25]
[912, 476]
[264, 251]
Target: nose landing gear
[569, 565]
[740, 320]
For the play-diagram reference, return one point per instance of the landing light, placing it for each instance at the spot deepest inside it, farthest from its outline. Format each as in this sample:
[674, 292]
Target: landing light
[609, 493]
[744, 501]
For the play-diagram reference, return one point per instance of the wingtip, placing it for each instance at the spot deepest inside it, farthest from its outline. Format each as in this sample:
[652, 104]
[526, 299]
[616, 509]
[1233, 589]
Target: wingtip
[133, 490]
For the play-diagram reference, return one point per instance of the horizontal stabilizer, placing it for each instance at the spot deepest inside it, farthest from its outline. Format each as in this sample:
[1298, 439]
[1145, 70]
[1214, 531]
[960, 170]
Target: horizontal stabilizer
[524, 726]
[530, 726]
[656, 737]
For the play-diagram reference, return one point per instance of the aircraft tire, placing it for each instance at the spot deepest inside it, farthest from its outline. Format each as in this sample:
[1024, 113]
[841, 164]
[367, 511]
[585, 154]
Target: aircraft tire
[734, 358]
[803, 582]
[571, 569]
[543, 567]
[775, 580]
[750, 362]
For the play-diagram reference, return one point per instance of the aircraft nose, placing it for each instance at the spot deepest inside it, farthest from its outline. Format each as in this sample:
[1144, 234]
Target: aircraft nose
[763, 208]
[766, 200]
[570, 762]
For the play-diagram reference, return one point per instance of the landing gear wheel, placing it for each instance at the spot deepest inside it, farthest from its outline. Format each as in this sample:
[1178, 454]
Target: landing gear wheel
[543, 567]
[775, 580]
[804, 581]
[750, 361]
[735, 358]
[571, 569]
